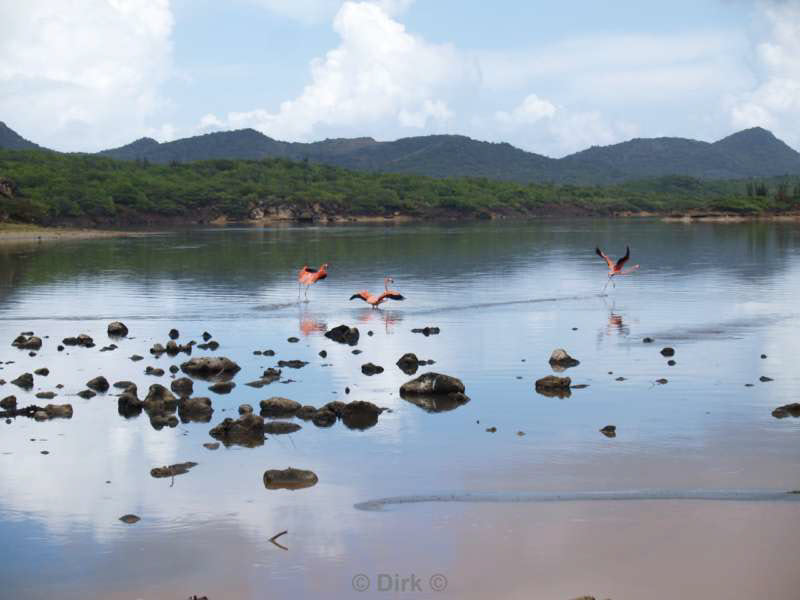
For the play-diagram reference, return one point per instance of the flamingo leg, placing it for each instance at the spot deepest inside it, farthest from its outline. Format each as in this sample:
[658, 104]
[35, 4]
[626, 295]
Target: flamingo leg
[606, 285]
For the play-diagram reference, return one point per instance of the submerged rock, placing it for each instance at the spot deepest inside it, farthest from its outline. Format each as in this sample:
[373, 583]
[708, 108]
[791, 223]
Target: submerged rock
[267, 377]
[210, 367]
[278, 407]
[787, 410]
[371, 369]
[195, 409]
[289, 479]
[172, 470]
[98, 384]
[117, 329]
[247, 430]
[561, 360]
[222, 387]
[323, 418]
[281, 427]
[292, 364]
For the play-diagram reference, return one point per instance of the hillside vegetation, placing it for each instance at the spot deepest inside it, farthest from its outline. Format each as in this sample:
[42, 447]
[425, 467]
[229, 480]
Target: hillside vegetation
[51, 188]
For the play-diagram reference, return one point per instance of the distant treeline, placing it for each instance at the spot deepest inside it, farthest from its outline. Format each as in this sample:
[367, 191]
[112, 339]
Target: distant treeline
[52, 188]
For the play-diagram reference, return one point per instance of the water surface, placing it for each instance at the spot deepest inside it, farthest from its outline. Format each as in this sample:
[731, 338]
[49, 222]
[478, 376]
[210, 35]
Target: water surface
[504, 296]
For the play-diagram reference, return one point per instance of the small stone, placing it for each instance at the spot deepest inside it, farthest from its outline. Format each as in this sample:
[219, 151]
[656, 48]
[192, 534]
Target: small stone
[211, 445]
[129, 519]
[293, 340]
[491, 429]
[762, 379]
[648, 340]
[136, 358]
[98, 384]
[609, 431]
[668, 351]
[44, 372]
[86, 394]
[174, 334]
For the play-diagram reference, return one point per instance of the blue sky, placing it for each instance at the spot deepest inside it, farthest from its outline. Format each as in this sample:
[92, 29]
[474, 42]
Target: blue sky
[548, 77]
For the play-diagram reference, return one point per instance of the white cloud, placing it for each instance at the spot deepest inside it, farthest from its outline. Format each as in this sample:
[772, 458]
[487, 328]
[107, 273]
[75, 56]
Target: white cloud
[531, 110]
[319, 11]
[775, 101]
[83, 74]
[378, 73]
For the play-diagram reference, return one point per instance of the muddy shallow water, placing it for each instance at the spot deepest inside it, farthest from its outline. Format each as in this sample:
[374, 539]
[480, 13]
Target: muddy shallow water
[504, 296]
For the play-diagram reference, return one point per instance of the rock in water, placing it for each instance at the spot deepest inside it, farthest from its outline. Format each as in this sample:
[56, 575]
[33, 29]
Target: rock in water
[98, 384]
[787, 410]
[247, 430]
[344, 335]
[432, 383]
[117, 329]
[371, 369]
[408, 363]
[24, 381]
[210, 366]
[668, 351]
[183, 386]
[609, 431]
[222, 387]
[553, 386]
[24, 342]
[279, 407]
[281, 427]
[195, 409]
[129, 519]
[360, 414]
[172, 470]
[289, 479]
[562, 360]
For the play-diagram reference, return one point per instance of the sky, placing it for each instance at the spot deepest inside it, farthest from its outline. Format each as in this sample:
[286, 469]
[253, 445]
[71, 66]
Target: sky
[551, 78]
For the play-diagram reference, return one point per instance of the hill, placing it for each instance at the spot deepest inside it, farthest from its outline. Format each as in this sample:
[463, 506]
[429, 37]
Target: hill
[11, 140]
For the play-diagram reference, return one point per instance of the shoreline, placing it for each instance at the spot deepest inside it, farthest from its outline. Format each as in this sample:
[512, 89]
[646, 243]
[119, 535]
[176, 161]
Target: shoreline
[16, 232]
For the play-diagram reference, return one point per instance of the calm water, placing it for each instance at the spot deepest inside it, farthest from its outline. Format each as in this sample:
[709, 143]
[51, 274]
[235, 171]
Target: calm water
[504, 296]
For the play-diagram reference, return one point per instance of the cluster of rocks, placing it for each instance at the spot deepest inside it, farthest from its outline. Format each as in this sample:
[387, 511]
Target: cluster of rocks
[27, 341]
[161, 405]
[410, 364]
[81, 339]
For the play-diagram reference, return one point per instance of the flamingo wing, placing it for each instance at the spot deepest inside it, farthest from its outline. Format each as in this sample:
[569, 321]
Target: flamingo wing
[364, 295]
[625, 258]
[392, 295]
[320, 275]
[609, 262]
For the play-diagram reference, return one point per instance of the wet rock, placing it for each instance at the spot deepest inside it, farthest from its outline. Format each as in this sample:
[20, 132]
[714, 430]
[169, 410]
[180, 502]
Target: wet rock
[157, 393]
[173, 369]
[579, 386]
[668, 351]
[245, 409]
[553, 386]
[357, 351]
[136, 357]
[306, 412]
[222, 387]
[60, 348]
[86, 394]
[27, 342]
[157, 349]
[174, 334]
[491, 429]
[117, 329]
[269, 352]
[8, 403]
[40, 415]
[267, 377]
[432, 384]
[360, 414]
[247, 430]
[762, 379]
[293, 340]
[24, 381]
[182, 386]
[560, 359]
[620, 379]
[648, 340]
[155, 371]
[43, 372]
[408, 363]
[787, 410]
[129, 519]
[323, 418]
[426, 331]
[46, 395]
[195, 409]
[210, 367]
[336, 407]
[98, 384]
[128, 404]
[172, 470]
[662, 381]
[439, 402]
[609, 431]
[323, 353]
[671, 363]
[281, 427]
[206, 336]
[211, 445]
[343, 335]
[292, 364]
[108, 348]
[371, 369]
[289, 479]
[278, 407]
[763, 356]
[58, 411]
[81, 340]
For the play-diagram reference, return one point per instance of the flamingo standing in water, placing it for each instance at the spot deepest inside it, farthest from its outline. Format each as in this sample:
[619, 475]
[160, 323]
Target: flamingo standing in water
[615, 268]
[308, 276]
[387, 294]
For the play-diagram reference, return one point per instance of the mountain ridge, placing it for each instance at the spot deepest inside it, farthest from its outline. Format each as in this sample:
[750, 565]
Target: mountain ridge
[754, 152]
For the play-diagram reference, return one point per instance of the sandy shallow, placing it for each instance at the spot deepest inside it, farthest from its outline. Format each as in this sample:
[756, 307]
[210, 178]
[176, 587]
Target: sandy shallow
[31, 233]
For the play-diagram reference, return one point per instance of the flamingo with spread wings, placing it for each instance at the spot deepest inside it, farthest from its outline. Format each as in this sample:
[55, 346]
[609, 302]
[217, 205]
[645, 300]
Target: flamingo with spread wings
[308, 276]
[615, 268]
[387, 294]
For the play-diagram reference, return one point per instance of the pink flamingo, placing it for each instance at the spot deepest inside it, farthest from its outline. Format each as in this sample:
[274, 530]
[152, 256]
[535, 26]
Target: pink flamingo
[615, 268]
[387, 294]
[308, 276]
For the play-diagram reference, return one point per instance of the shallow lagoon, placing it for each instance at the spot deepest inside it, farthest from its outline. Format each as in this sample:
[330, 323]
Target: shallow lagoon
[504, 296]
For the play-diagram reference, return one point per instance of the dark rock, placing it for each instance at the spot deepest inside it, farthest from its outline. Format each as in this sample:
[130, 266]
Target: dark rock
[211, 445]
[554, 387]
[281, 427]
[267, 377]
[609, 431]
[426, 331]
[668, 351]
[174, 334]
[128, 404]
[173, 369]
[344, 335]
[662, 381]
[58, 411]
[172, 470]
[306, 412]
[289, 479]
[157, 349]
[357, 351]
[27, 343]
[293, 340]
[206, 336]
[129, 519]
[182, 386]
[117, 329]
[648, 340]
[360, 414]
[762, 379]
[154, 371]
[60, 348]
[81, 340]
[160, 420]
[86, 394]
[671, 363]
[279, 407]
[336, 407]
[222, 387]
[195, 409]
[323, 418]
[46, 395]
[292, 364]
[8, 403]
[43, 372]
[245, 409]
[247, 430]
[323, 353]
[136, 358]
[371, 369]
[436, 403]
[491, 429]
[408, 363]
[432, 384]
[787, 410]
[561, 360]
[211, 367]
[269, 352]
[157, 394]
[24, 381]
[763, 356]
[108, 348]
